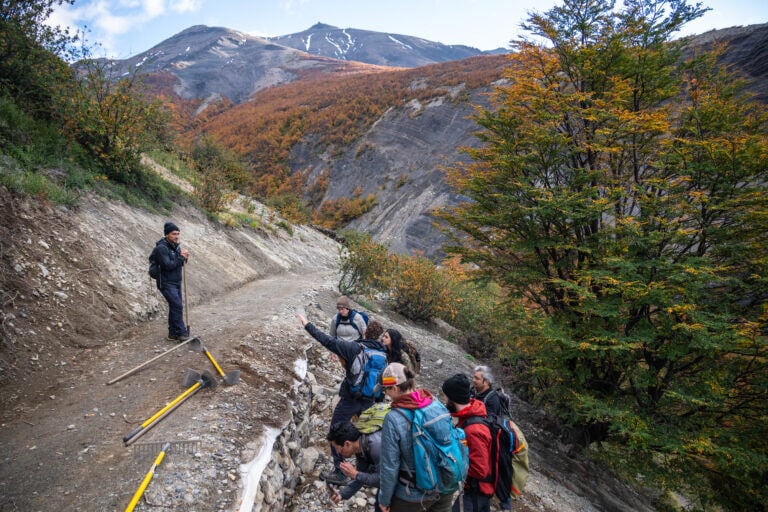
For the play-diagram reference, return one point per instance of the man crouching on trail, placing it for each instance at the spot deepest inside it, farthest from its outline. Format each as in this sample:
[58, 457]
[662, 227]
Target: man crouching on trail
[352, 403]
[348, 441]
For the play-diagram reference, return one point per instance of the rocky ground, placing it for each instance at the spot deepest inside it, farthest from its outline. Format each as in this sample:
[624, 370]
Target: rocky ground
[78, 310]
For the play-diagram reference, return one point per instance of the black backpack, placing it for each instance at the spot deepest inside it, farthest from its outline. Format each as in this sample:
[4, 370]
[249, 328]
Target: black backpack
[154, 267]
[509, 456]
[504, 399]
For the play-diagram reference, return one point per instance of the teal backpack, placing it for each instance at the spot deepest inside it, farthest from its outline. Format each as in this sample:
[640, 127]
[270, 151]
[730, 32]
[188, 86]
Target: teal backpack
[439, 449]
[366, 368]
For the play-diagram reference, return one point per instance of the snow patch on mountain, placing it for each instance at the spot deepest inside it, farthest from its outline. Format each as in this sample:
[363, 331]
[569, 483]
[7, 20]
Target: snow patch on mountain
[399, 42]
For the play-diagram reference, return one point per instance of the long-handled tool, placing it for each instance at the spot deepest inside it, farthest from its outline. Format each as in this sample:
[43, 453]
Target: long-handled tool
[194, 344]
[147, 478]
[195, 380]
[186, 306]
[229, 378]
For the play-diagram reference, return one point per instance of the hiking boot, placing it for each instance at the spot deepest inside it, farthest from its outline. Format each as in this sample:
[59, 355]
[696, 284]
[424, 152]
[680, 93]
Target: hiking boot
[177, 337]
[334, 477]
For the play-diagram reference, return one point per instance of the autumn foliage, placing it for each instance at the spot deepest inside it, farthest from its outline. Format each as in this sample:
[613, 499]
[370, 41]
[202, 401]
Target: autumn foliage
[331, 112]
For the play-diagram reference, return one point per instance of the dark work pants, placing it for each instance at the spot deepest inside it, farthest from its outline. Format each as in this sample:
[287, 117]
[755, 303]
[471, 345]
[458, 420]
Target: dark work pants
[473, 502]
[172, 293]
[344, 411]
[442, 504]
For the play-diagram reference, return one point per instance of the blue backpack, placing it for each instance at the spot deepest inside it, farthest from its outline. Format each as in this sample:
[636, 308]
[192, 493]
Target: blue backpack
[352, 314]
[439, 449]
[365, 370]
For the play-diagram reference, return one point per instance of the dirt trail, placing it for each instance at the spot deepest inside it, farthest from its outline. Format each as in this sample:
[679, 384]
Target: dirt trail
[67, 452]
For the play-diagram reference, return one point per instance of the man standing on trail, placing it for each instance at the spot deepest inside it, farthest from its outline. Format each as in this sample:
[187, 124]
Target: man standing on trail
[170, 257]
[477, 489]
[347, 324]
[482, 380]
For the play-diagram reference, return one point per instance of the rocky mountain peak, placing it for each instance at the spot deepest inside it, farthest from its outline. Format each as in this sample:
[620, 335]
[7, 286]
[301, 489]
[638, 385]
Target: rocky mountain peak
[322, 26]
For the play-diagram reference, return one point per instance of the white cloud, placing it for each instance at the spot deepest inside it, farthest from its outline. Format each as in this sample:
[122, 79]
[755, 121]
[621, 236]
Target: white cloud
[291, 6]
[153, 9]
[106, 20]
[182, 6]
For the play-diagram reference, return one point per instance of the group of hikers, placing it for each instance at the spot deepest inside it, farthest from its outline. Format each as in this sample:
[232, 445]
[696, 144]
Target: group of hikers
[386, 457]
[418, 452]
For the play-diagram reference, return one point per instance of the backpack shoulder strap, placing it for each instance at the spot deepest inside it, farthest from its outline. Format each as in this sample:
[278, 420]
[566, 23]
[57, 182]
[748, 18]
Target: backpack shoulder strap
[474, 420]
[403, 415]
[352, 314]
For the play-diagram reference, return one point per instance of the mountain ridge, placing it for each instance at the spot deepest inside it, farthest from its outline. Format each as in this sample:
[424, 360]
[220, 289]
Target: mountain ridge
[371, 47]
[216, 61]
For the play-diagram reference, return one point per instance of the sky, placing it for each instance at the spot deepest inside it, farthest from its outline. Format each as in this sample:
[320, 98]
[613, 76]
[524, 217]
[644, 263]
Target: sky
[123, 28]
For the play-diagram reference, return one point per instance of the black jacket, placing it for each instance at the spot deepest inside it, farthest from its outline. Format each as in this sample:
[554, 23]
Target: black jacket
[168, 256]
[492, 402]
[347, 350]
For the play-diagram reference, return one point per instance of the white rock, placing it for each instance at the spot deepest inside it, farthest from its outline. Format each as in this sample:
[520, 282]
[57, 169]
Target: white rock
[308, 459]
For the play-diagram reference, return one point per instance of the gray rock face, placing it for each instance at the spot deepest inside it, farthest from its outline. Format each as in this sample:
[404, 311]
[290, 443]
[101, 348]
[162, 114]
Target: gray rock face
[373, 47]
[400, 160]
[746, 51]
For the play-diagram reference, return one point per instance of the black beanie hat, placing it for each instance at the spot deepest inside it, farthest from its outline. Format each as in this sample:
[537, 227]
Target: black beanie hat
[170, 227]
[456, 388]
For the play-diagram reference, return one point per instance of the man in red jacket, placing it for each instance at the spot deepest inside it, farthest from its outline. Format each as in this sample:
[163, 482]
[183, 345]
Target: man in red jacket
[477, 489]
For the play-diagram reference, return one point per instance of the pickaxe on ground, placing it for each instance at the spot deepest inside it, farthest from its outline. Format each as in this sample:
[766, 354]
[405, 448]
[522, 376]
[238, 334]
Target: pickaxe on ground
[229, 378]
[195, 382]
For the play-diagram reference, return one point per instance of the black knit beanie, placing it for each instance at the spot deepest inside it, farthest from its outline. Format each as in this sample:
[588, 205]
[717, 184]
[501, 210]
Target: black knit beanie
[456, 388]
[170, 227]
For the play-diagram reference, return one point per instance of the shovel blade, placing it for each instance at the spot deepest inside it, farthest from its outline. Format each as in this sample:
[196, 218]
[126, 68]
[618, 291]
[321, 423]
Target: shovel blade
[208, 380]
[191, 377]
[231, 378]
[195, 345]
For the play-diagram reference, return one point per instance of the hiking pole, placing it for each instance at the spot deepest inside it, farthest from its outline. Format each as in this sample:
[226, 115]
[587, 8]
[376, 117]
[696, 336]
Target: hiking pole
[186, 305]
[201, 381]
[194, 344]
[147, 478]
